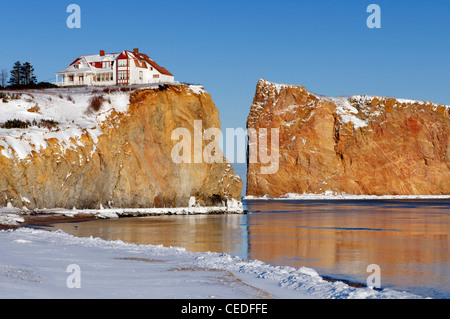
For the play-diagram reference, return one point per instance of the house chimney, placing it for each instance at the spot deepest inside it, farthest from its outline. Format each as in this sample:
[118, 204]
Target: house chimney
[102, 52]
[136, 51]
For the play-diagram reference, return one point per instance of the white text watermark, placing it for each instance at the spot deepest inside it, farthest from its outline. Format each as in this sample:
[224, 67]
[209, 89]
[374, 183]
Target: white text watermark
[190, 149]
[74, 19]
[74, 279]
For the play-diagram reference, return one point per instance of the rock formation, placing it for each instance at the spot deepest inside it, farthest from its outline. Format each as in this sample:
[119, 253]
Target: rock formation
[118, 157]
[362, 145]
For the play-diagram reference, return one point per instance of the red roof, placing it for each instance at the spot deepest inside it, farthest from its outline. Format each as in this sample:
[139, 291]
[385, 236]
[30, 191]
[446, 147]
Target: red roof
[140, 58]
[146, 58]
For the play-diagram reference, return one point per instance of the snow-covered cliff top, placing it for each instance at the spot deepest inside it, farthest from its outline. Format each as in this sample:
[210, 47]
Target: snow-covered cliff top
[60, 113]
[67, 109]
[348, 107]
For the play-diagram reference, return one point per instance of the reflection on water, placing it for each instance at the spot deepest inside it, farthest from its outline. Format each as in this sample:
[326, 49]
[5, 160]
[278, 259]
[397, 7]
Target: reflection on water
[217, 233]
[409, 240]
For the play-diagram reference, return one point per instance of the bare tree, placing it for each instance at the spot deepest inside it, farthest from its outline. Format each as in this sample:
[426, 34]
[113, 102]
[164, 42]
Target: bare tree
[3, 77]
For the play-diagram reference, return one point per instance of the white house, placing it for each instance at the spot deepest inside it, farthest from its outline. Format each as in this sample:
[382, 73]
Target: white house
[124, 68]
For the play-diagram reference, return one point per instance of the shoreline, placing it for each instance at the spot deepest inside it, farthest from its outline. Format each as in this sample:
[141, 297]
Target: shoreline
[332, 196]
[12, 218]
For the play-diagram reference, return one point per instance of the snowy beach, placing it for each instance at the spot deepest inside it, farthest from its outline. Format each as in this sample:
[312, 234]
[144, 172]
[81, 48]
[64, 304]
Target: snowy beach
[40, 264]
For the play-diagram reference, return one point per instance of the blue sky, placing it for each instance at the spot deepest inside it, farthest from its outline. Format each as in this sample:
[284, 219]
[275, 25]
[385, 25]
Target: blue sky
[227, 46]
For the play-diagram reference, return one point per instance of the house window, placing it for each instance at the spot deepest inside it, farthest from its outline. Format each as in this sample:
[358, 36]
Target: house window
[122, 62]
[76, 66]
[122, 75]
[105, 65]
[155, 76]
[141, 75]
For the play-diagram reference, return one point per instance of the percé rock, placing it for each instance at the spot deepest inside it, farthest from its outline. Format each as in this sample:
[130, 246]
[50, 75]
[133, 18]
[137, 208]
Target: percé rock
[361, 145]
[118, 157]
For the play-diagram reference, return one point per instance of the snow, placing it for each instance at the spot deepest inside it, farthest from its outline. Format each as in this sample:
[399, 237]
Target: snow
[39, 264]
[11, 215]
[197, 89]
[100, 58]
[68, 107]
[329, 195]
[10, 219]
[65, 106]
[192, 201]
[347, 112]
[345, 105]
[234, 205]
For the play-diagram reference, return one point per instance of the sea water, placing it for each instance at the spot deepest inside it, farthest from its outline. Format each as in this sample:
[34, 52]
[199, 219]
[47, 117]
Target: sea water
[407, 239]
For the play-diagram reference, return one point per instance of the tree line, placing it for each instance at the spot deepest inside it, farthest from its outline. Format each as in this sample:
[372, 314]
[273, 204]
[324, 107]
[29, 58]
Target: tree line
[21, 76]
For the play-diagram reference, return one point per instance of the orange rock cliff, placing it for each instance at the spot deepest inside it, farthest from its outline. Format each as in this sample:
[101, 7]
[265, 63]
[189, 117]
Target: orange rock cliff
[127, 162]
[362, 145]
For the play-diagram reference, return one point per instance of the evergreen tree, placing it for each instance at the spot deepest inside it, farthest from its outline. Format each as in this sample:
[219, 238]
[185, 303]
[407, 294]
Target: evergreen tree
[22, 75]
[27, 74]
[15, 76]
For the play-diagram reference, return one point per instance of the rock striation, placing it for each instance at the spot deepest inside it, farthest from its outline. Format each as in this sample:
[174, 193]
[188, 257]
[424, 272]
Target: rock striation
[361, 145]
[116, 157]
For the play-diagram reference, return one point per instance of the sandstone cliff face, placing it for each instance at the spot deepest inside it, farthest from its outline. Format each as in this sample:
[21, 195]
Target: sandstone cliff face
[118, 157]
[362, 145]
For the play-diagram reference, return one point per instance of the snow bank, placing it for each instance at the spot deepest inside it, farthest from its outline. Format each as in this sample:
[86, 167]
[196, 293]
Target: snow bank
[305, 281]
[10, 219]
[329, 195]
[232, 207]
[33, 265]
[12, 216]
